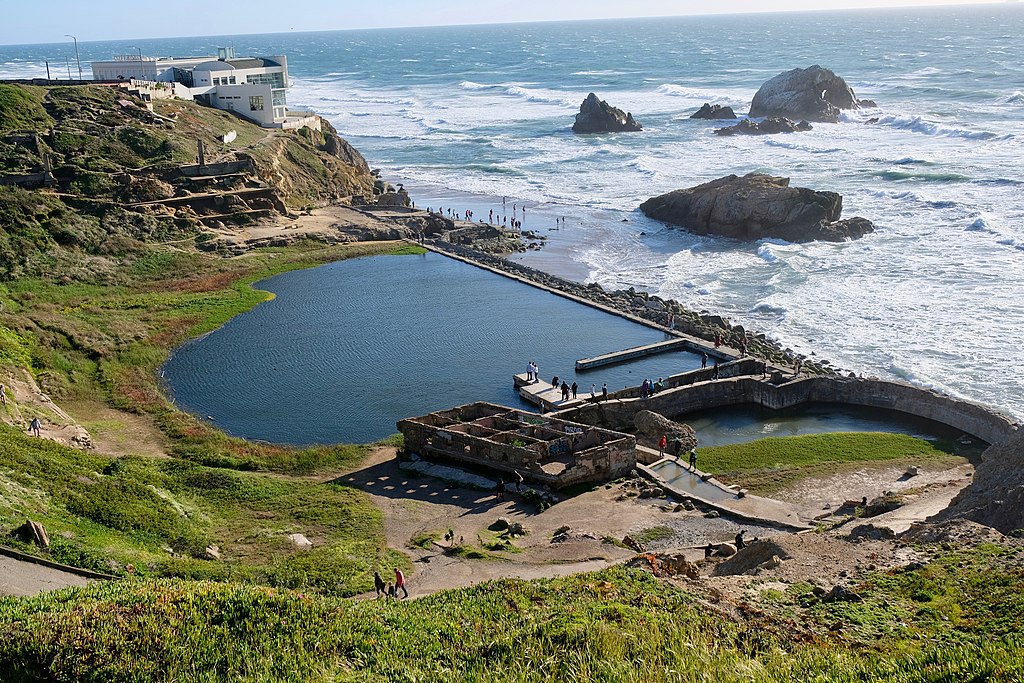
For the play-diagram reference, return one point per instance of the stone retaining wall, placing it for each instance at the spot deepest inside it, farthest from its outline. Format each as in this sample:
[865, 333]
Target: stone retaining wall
[978, 421]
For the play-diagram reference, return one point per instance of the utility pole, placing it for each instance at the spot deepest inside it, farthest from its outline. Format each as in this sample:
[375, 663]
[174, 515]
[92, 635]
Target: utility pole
[142, 66]
[79, 59]
[47, 69]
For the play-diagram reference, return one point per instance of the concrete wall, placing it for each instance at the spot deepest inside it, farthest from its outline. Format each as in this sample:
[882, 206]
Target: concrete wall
[971, 418]
[223, 168]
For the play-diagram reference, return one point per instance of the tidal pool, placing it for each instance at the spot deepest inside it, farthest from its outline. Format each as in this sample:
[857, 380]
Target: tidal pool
[345, 350]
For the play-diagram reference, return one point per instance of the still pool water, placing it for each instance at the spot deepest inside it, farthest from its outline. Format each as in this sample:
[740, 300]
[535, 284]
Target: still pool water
[345, 350]
[740, 424]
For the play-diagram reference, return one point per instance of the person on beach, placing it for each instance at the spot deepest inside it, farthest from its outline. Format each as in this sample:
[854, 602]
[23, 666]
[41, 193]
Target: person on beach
[400, 583]
[703, 360]
[693, 459]
[499, 491]
[34, 426]
[378, 584]
[574, 388]
[662, 442]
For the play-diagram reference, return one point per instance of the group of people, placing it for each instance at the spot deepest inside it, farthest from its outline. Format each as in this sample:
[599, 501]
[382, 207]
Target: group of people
[390, 590]
[676, 450]
[649, 388]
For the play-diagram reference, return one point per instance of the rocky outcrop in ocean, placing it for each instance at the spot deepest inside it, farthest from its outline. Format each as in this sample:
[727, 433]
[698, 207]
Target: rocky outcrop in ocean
[756, 206]
[772, 125]
[714, 112]
[597, 116]
[812, 94]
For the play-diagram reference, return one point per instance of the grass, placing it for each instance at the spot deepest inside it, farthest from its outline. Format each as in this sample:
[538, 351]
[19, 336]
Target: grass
[615, 625]
[653, 534]
[21, 108]
[768, 465]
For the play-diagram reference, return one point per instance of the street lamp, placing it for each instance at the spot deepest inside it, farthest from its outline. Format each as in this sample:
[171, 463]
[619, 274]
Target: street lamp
[142, 66]
[77, 58]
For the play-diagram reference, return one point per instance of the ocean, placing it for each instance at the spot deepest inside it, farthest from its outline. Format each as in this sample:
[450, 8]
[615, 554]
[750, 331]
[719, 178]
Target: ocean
[467, 117]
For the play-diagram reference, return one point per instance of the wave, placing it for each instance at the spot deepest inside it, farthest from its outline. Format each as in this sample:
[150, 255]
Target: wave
[765, 253]
[1015, 98]
[773, 309]
[802, 148]
[912, 161]
[916, 124]
[928, 177]
[470, 85]
[536, 96]
[605, 72]
[981, 225]
[673, 90]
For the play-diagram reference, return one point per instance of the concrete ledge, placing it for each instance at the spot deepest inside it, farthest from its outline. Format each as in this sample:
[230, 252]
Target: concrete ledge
[78, 571]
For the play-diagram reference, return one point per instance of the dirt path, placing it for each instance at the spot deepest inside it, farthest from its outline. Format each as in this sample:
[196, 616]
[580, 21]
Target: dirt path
[25, 401]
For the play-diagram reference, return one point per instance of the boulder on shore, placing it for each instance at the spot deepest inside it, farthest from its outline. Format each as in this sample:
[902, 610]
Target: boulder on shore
[597, 116]
[652, 426]
[714, 111]
[757, 206]
[812, 94]
[772, 125]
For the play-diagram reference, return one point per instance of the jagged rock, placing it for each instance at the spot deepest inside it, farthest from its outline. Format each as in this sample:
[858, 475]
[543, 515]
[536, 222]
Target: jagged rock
[633, 544]
[995, 497]
[398, 198]
[652, 425]
[840, 593]
[597, 116]
[757, 206]
[814, 94]
[501, 524]
[912, 471]
[516, 529]
[212, 552]
[300, 541]
[870, 532]
[714, 111]
[666, 564]
[772, 125]
[32, 532]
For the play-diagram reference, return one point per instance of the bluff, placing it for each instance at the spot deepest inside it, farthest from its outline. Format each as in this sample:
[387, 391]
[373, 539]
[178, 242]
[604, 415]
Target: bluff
[597, 116]
[995, 497]
[811, 94]
[757, 206]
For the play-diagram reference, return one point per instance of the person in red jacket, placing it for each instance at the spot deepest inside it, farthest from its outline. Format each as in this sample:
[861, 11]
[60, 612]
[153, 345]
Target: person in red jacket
[661, 446]
[400, 582]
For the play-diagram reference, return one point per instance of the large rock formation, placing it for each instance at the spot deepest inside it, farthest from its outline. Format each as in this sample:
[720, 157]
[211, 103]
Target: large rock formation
[996, 496]
[756, 206]
[597, 116]
[650, 426]
[813, 94]
[714, 112]
[770, 126]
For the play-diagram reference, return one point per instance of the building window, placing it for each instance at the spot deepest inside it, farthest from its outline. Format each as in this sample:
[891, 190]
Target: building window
[256, 103]
[279, 98]
[231, 80]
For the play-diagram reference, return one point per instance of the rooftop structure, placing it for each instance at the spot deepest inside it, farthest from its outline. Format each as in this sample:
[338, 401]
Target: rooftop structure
[544, 450]
[253, 87]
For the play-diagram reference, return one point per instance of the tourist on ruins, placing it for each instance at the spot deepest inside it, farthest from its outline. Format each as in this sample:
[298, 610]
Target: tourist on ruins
[661, 445]
[565, 390]
[400, 582]
[677, 447]
[519, 480]
[718, 340]
[709, 550]
[536, 373]
[529, 371]
[392, 592]
[604, 391]
[378, 583]
[574, 387]
[499, 490]
[593, 393]
[739, 540]
[659, 385]
[3, 394]
[714, 373]
[554, 381]
[645, 388]
[693, 459]
[703, 360]
[33, 426]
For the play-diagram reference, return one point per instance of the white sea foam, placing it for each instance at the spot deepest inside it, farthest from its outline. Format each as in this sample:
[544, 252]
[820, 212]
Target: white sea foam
[673, 90]
[918, 124]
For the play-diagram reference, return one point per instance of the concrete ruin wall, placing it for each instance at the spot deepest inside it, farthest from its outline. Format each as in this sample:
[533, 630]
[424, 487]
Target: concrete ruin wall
[968, 417]
[507, 440]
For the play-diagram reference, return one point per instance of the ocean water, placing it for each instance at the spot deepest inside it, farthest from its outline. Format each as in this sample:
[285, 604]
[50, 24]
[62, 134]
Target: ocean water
[467, 116]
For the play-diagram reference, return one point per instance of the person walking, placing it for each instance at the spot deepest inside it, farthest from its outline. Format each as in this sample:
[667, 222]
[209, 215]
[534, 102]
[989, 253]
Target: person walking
[34, 426]
[574, 387]
[400, 583]
[693, 459]
[519, 480]
[3, 394]
[565, 390]
[499, 491]
[604, 391]
[661, 445]
[593, 393]
[677, 446]
[703, 360]
[378, 583]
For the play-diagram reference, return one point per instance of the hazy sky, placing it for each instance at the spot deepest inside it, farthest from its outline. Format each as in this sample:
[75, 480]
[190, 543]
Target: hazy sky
[46, 21]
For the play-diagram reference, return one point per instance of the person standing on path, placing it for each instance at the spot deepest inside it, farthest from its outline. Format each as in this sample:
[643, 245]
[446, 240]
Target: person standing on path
[661, 445]
[693, 459]
[378, 583]
[499, 491]
[677, 446]
[593, 393]
[400, 583]
[529, 371]
[519, 480]
[703, 360]
[574, 387]
[739, 540]
[33, 426]
[604, 391]
[3, 394]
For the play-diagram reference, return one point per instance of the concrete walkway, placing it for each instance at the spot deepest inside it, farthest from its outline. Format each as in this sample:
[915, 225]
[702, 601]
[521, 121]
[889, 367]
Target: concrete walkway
[698, 486]
[21, 578]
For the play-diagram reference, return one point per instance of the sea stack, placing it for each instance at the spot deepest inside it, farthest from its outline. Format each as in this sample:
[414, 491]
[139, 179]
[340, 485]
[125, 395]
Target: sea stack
[811, 94]
[757, 206]
[713, 112]
[597, 116]
[772, 125]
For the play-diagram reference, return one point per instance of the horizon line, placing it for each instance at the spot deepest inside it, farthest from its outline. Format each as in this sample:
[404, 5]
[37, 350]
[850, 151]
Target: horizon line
[912, 6]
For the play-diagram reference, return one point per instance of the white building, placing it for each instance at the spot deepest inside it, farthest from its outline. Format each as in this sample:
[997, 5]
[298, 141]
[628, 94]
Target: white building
[253, 87]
